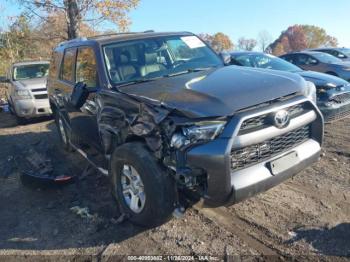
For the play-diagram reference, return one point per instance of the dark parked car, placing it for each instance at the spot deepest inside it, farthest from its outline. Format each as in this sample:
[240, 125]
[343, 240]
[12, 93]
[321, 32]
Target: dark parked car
[320, 62]
[161, 114]
[333, 93]
[339, 52]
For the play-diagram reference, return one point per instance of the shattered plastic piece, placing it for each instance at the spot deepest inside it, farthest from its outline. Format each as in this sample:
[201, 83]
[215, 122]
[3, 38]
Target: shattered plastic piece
[81, 211]
[292, 234]
[39, 169]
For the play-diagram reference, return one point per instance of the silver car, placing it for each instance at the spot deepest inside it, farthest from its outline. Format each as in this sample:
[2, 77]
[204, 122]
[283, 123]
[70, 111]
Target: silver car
[26, 89]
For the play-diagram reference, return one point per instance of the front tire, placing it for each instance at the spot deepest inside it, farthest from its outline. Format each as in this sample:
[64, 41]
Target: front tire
[144, 190]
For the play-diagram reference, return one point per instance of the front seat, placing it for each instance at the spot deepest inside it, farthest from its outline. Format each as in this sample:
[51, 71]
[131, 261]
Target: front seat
[126, 70]
[151, 65]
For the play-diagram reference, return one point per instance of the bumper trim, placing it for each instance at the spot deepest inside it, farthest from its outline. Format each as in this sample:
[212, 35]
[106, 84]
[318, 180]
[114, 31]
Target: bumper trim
[258, 178]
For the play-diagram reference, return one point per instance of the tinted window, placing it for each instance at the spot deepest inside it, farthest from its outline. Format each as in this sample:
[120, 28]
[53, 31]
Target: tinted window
[265, 61]
[68, 65]
[302, 59]
[157, 57]
[326, 58]
[86, 67]
[30, 71]
[289, 58]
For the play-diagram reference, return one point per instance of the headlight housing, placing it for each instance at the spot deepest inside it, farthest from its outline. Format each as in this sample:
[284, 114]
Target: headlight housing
[22, 94]
[200, 131]
[310, 91]
[346, 68]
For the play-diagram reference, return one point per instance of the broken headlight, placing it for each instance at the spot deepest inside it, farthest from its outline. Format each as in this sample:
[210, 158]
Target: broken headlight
[200, 131]
[206, 130]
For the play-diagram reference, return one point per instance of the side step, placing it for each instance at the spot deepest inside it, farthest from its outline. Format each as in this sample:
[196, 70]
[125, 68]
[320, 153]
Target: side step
[85, 155]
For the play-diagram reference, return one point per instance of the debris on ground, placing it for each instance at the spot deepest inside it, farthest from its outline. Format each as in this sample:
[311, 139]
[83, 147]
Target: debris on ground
[39, 168]
[83, 212]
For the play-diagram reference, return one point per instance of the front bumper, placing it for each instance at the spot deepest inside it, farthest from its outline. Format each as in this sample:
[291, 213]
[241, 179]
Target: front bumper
[30, 108]
[335, 112]
[226, 186]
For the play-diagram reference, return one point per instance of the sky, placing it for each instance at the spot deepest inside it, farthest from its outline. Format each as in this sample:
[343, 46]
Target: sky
[236, 18]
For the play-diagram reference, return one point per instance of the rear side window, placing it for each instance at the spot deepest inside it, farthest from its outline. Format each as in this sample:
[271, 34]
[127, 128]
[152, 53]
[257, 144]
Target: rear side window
[68, 65]
[86, 67]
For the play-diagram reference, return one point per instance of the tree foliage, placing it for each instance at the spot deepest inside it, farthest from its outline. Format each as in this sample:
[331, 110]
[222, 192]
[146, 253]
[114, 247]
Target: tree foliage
[79, 12]
[219, 42]
[299, 37]
[247, 43]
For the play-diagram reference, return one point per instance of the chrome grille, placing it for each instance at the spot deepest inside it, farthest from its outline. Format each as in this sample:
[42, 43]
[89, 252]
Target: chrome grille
[342, 98]
[247, 156]
[261, 121]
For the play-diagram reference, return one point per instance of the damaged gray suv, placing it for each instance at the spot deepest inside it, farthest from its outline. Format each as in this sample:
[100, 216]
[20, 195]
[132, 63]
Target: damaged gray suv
[163, 115]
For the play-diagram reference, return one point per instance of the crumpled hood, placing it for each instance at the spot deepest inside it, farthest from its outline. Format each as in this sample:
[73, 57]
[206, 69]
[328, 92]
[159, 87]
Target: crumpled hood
[34, 83]
[217, 92]
[321, 79]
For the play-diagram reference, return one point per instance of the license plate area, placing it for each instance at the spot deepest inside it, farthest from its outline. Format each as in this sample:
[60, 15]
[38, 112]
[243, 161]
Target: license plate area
[283, 163]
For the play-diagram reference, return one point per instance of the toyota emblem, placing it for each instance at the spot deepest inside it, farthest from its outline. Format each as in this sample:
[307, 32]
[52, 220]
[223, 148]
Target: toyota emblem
[281, 119]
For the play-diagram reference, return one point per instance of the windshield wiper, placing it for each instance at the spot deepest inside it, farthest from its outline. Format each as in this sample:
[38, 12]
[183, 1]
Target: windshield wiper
[136, 81]
[190, 70]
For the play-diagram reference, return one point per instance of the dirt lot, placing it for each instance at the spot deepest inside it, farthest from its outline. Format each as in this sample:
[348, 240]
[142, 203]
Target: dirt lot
[307, 217]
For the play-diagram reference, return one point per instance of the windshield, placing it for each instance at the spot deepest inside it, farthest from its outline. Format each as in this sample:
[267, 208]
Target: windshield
[326, 58]
[30, 71]
[346, 51]
[157, 57]
[264, 61]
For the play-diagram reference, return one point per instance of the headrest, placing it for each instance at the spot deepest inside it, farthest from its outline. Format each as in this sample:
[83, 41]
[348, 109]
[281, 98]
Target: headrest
[124, 57]
[151, 58]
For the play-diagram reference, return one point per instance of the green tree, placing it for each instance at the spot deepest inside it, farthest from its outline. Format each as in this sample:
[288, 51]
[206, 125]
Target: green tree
[78, 12]
[299, 37]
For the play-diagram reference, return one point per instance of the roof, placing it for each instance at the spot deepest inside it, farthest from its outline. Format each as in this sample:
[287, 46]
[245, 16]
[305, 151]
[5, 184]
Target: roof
[247, 53]
[303, 52]
[110, 38]
[329, 48]
[31, 62]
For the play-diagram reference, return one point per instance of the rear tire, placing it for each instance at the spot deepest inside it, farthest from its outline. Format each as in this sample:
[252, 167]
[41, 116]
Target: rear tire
[63, 133]
[156, 193]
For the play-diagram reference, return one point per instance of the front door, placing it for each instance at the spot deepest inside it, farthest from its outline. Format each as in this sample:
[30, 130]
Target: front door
[84, 119]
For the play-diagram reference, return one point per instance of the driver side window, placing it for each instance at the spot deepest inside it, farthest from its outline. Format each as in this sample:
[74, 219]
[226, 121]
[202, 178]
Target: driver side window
[86, 71]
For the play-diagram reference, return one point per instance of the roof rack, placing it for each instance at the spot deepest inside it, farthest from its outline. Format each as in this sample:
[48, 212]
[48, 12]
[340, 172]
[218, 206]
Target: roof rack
[116, 34]
[73, 41]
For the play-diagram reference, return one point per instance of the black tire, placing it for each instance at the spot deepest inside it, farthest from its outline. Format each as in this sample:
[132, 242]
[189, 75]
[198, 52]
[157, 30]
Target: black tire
[159, 186]
[21, 120]
[64, 141]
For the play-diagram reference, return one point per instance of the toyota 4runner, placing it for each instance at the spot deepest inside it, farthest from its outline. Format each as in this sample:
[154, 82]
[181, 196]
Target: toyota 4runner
[161, 114]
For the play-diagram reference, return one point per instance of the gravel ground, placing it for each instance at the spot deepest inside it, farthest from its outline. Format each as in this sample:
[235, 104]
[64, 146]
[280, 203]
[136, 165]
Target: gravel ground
[307, 217]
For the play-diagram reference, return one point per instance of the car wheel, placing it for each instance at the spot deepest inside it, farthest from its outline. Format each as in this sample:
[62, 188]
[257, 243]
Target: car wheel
[144, 190]
[20, 120]
[63, 132]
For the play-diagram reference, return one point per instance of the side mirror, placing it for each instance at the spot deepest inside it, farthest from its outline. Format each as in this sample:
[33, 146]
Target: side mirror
[225, 57]
[79, 95]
